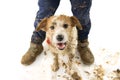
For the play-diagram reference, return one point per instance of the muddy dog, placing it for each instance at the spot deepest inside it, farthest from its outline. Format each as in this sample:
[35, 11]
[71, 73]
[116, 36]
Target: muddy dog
[61, 36]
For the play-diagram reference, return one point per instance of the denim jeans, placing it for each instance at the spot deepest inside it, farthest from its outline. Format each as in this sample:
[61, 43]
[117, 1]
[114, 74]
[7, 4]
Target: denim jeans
[80, 9]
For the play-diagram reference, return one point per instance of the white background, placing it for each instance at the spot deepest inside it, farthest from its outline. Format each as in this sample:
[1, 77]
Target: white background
[16, 27]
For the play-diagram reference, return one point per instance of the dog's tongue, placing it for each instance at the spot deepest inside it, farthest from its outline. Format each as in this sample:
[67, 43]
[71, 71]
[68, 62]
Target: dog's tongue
[61, 46]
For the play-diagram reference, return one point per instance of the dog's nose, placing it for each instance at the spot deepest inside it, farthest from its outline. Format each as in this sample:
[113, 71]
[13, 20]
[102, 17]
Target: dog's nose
[60, 37]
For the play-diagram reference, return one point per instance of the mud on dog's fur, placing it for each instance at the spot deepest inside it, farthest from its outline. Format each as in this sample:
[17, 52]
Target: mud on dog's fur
[61, 36]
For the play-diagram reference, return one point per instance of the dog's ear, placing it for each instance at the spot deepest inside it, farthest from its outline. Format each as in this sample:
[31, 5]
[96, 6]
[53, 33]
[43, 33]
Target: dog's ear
[75, 22]
[42, 25]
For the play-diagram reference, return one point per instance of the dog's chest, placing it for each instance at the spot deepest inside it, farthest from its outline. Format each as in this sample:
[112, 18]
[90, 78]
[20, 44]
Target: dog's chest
[63, 59]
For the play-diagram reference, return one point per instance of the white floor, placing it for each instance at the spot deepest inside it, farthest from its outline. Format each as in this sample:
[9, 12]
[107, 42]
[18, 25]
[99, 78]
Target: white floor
[16, 26]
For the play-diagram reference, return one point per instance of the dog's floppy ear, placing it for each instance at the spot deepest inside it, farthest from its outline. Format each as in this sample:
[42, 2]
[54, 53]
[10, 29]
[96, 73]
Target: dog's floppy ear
[75, 22]
[42, 25]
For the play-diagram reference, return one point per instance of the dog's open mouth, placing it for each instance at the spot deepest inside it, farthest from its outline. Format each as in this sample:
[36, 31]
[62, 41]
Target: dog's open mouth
[61, 46]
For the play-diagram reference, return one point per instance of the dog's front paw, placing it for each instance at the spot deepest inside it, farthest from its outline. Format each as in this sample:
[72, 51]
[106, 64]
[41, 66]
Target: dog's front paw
[55, 67]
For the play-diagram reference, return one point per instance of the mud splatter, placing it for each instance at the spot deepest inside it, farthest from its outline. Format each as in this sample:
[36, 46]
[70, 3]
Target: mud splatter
[98, 72]
[75, 76]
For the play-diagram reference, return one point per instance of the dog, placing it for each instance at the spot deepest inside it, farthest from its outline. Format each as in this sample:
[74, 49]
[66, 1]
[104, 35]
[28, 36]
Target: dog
[61, 37]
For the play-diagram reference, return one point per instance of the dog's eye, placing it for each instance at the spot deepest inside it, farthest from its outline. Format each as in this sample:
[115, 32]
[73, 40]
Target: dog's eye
[65, 25]
[52, 27]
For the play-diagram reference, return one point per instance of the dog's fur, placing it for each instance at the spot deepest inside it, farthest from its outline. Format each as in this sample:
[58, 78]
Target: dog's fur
[61, 36]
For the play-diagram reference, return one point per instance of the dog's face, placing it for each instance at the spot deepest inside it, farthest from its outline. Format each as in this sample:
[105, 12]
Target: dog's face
[58, 30]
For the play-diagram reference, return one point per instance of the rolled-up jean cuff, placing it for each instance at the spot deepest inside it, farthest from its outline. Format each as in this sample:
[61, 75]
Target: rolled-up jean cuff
[38, 37]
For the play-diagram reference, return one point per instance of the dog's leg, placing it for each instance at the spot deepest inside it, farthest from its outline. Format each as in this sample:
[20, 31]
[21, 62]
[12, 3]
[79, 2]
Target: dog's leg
[70, 56]
[55, 65]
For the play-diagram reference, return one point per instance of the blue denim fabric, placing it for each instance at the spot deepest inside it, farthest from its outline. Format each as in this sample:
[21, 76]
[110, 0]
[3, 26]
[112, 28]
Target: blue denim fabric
[80, 9]
[47, 8]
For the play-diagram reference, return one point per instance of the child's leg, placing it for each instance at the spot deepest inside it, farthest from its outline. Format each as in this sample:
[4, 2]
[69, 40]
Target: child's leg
[81, 9]
[46, 8]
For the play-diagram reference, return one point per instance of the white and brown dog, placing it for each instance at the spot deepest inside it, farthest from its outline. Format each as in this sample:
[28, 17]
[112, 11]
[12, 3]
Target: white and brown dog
[61, 36]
